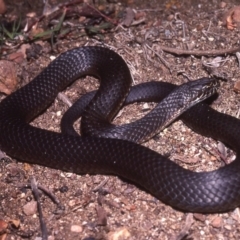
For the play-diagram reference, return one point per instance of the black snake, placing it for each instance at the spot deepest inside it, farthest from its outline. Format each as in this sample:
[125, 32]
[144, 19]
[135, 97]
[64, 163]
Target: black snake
[197, 192]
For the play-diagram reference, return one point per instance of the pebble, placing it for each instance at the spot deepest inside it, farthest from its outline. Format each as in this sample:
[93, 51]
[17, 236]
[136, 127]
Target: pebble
[30, 208]
[146, 106]
[51, 237]
[228, 227]
[199, 217]
[222, 4]
[52, 58]
[170, 17]
[119, 234]
[217, 222]
[59, 113]
[211, 39]
[72, 202]
[76, 228]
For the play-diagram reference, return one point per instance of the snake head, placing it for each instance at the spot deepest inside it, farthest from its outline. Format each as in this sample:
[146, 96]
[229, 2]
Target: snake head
[191, 93]
[201, 89]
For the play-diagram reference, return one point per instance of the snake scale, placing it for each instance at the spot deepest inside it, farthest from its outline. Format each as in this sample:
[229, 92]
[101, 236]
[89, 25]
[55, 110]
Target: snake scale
[214, 191]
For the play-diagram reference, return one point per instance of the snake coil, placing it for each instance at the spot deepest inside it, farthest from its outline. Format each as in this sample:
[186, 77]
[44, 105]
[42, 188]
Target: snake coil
[214, 191]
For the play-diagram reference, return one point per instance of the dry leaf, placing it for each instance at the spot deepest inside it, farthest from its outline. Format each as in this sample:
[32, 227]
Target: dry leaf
[17, 57]
[3, 226]
[129, 17]
[237, 86]
[232, 18]
[2, 7]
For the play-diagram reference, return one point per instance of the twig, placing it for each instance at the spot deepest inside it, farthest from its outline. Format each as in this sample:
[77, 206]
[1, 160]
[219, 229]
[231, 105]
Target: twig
[209, 25]
[36, 195]
[64, 99]
[216, 62]
[238, 113]
[2, 155]
[238, 57]
[69, 3]
[217, 153]
[178, 20]
[150, 10]
[199, 52]
[161, 58]
[45, 190]
[102, 183]
[51, 11]
[103, 15]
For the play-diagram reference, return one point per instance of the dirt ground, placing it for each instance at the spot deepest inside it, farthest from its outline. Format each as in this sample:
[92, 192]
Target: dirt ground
[107, 207]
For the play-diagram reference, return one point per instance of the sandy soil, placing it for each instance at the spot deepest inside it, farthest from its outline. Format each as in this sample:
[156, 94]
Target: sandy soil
[96, 207]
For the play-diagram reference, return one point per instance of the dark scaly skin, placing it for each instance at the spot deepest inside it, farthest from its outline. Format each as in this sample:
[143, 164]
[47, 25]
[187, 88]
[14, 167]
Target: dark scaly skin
[178, 101]
[189, 191]
[144, 92]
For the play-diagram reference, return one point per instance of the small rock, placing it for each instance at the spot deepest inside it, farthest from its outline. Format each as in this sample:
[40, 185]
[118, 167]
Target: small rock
[170, 17]
[146, 106]
[199, 217]
[30, 208]
[72, 202]
[217, 222]
[120, 234]
[213, 158]
[52, 58]
[82, 19]
[23, 49]
[34, 51]
[76, 228]
[228, 227]
[59, 113]
[211, 39]
[51, 237]
[236, 215]
[222, 4]
[63, 189]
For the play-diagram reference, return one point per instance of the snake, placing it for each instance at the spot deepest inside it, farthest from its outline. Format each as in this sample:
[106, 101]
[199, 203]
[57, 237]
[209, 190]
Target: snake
[214, 191]
[170, 107]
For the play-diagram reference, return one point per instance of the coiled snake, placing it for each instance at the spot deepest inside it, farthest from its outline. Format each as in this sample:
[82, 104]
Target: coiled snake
[189, 191]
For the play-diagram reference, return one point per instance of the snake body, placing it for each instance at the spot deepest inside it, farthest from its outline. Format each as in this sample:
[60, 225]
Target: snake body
[171, 106]
[145, 92]
[214, 191]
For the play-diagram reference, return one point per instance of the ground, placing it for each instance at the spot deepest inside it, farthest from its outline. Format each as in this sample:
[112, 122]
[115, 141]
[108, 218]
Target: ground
[97, 207]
